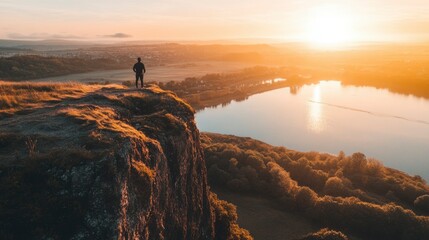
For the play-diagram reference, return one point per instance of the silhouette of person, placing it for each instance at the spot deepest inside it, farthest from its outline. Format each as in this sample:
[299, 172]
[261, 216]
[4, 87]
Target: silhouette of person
[139, 69]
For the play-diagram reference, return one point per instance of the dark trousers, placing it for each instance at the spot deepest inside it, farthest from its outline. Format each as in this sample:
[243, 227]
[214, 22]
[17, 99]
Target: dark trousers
[139, 76]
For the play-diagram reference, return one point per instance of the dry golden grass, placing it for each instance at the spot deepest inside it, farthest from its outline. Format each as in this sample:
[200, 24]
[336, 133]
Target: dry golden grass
[143, 170]
[18, 96]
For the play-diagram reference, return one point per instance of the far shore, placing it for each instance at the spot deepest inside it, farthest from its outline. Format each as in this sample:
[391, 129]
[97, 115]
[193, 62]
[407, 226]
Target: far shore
[166, 73]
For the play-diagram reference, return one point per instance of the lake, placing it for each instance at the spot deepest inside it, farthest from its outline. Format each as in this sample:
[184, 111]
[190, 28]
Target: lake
[329, 117]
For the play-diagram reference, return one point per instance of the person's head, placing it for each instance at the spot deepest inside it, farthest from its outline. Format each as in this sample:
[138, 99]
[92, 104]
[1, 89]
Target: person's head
[139, 59]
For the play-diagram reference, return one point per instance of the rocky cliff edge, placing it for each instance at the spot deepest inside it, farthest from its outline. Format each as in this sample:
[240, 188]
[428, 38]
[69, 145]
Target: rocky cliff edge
[80, 162]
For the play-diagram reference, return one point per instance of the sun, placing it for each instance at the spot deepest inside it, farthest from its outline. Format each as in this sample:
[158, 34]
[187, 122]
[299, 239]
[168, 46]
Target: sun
[329, 26]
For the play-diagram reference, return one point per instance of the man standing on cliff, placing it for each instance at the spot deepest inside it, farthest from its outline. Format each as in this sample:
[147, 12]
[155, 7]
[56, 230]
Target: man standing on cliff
[139, 69]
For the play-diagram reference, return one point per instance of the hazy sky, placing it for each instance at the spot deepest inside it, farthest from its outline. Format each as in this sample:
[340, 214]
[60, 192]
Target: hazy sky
[204, 19]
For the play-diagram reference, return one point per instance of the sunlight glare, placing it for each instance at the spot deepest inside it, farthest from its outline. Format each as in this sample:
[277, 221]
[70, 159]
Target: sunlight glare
[329, 26]
[315, 111]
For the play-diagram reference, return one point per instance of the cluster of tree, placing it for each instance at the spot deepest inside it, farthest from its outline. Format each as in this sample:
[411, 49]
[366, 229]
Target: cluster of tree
[398, 78]
[34, 66]
[221, 88]
[251, 75]
[326, 234]
[226, 226]
[350, 193]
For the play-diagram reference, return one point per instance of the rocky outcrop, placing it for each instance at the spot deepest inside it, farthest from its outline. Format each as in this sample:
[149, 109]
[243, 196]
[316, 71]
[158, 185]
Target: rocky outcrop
[108, 163]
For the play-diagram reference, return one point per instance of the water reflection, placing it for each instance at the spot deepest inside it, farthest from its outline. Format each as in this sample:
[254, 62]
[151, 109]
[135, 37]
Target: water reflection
[315, 112]
[294, 89]
[329, 117]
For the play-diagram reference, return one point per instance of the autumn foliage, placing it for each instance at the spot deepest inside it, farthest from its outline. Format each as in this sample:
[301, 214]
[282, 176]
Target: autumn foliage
[353, 194]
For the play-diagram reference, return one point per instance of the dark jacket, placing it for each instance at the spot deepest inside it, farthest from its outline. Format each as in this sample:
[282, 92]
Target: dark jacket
[139, 68]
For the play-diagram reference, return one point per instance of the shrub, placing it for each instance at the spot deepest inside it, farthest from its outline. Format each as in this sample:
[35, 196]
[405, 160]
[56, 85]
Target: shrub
[422, 203]
[226, 226]
[326, 234]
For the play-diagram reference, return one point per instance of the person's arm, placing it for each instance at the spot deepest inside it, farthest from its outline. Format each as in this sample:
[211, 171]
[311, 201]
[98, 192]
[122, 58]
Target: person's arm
[134, 68]
[144, 69]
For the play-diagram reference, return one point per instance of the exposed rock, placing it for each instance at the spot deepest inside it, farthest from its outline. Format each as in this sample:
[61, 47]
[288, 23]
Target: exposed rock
[107, 164]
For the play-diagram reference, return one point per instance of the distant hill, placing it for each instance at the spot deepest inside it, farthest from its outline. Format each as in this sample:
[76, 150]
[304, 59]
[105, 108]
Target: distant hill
[34, 66]
[44, 45]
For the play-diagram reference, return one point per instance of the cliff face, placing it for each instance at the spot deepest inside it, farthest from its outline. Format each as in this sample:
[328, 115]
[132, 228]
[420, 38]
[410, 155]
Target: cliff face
[103, 164]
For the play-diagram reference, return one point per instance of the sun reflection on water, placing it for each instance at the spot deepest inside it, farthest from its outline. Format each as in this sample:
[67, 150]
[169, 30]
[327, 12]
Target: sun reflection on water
[315, 112]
